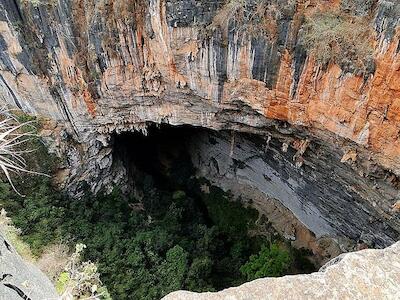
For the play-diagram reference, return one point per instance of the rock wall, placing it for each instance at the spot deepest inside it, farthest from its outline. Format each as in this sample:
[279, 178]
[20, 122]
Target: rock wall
[113, 65]
[20, 279]
[360, 275]
[321, 192]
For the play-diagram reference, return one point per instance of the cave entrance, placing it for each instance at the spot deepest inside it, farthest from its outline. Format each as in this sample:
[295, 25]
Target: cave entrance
[161, 153]
[216, 230]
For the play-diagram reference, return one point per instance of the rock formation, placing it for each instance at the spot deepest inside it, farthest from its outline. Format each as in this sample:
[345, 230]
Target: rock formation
[103, 67]
[20, 279]
[367, 274]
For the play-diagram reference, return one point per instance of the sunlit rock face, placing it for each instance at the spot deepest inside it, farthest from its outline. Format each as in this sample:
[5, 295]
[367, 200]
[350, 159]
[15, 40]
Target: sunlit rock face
[360, 275]
[115, 63]
[20, 279]
[312, 183]
[100, 67]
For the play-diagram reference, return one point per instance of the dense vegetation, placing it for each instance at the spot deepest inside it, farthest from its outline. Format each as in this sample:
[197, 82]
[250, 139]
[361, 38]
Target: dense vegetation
[341, 38]
[270, 262]
[172, 239]
[145, 255]
[342, 34]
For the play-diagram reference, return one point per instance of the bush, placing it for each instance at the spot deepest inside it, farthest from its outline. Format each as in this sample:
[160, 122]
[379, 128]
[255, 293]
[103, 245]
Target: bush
[12, 234]
[357, 7]
[138, 254]
[271, 261]
[252, 17]
[332, 37]
[53, 260]
[80, 280]
[37, 3]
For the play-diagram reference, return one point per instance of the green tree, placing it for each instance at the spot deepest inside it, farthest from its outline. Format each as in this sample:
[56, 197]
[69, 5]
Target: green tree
[199, 274]
[172, 271]
[271, 261]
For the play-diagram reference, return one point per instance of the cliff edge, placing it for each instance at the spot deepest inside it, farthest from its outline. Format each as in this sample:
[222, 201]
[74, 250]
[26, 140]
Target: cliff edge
[366, 274]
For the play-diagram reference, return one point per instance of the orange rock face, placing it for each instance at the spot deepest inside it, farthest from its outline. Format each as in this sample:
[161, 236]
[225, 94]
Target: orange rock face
[126, 50]
[110, 66]
[366, 112]
[363, 111]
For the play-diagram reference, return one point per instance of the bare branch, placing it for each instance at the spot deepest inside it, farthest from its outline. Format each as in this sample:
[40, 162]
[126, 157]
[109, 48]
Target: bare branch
[12, 138]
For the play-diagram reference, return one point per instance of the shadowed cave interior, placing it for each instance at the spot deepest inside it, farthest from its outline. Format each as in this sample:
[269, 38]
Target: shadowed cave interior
[163, 177]
[200, 210]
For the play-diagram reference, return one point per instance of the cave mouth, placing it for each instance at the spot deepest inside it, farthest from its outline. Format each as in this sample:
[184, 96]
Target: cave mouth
[217, 232]
[161, 150]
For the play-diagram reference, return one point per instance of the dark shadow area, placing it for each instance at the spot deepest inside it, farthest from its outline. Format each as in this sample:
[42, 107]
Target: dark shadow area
[162, 173]
[174, 230]
[161, 153]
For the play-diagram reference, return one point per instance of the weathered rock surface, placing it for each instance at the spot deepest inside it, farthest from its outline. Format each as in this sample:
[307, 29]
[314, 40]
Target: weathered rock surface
[367, 274]
[317, 189]
[21, 280]
[112, 65]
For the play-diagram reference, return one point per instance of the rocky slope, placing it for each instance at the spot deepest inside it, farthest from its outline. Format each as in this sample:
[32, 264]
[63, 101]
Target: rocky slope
[100, 67]
[361, 275]
[20, 279]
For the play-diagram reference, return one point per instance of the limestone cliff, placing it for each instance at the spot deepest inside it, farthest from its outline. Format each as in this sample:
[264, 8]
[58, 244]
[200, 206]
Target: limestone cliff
[106, 66]
[20, 279]
[361, 275]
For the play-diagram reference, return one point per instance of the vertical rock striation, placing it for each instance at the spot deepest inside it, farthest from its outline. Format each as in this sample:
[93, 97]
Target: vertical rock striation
[112, 65]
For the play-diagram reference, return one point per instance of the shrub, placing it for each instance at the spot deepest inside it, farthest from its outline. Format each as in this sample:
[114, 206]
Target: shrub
[176, 238]
[333, 37]
[251, 17]
[80, 279]
[357, 7]
[62, 282]
[271, 261]
[12, 234]
[36, 3]
[53, 260]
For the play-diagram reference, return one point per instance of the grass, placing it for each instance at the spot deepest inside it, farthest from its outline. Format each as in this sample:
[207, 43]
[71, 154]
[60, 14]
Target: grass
[12, 234]
[36, 3]
[334, 37]
[251, 17]
[343, 36]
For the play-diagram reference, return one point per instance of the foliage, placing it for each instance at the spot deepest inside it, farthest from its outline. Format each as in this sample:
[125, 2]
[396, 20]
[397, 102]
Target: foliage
[138, 254]
[62, 282]
[180, 238]
[334, 37]
[38, 213]
[357, 7]
[253, 17]
[156, 259]
[271, 261]
[36, 3]
[343, 36]
[13, 235]
[228, 215]
[53, 260]
[80, 279]
[40, 198]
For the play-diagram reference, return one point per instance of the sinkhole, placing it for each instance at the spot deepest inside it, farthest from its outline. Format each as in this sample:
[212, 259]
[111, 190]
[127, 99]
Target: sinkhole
[202, 210]
[224, 238]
